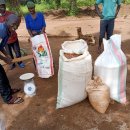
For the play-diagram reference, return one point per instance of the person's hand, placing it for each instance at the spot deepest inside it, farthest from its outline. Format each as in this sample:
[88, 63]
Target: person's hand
[101, 16]
[115, 16]
[8, 56]
[43, 32]
[34, 32]
[8, 60]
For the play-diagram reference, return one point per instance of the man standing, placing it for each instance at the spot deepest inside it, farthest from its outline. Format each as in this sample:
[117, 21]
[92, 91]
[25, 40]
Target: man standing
[110, 9]
[13, 42]
[5, 88]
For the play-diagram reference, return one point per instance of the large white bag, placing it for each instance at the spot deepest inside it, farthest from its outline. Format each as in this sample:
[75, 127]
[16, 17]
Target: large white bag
[42, 55]
[73, 74]
[111, 67]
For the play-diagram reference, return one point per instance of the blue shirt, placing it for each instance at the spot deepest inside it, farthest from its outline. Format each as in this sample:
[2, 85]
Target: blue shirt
[35, 24]
[109, 8]
[4, 35]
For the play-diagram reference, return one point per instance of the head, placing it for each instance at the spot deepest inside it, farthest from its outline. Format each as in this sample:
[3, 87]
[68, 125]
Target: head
[2, 7]
[31, 7]
[12, 22]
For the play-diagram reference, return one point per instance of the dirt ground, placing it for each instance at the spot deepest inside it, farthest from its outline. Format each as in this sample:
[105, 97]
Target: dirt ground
[39, 112]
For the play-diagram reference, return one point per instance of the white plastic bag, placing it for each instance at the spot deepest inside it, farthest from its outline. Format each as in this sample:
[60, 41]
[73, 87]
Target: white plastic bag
[42, 55]
[77, 46]
[111, 67]
[73, 76]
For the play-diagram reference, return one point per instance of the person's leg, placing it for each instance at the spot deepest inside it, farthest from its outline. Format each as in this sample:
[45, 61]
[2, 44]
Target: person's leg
[6, 91]
[5, 88]
[16, 49]
[103, 25]
[8, 48]
[110, 28]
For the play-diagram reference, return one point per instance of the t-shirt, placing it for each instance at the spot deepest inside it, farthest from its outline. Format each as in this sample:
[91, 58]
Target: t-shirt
[13, 36]
[4, 35]
[35, 24]
[109, 8]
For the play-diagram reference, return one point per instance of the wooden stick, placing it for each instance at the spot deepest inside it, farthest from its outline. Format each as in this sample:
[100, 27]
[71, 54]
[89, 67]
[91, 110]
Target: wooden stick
[18, 59]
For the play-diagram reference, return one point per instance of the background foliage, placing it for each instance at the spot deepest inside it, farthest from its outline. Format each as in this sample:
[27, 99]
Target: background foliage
[19, 6]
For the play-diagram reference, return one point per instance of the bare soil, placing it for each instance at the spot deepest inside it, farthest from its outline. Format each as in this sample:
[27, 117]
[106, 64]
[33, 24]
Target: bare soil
[39, 112]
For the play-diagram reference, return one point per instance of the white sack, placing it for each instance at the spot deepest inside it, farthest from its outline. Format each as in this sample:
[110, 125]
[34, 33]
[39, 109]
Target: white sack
[42, 55]
[73, 76]
[111, 67]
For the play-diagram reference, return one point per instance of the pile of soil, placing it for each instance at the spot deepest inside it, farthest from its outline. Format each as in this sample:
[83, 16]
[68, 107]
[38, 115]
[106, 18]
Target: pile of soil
[59, 12]
[87, 11]
[84, 11]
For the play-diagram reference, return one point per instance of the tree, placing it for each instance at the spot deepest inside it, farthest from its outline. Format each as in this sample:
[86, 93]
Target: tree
[16, 6]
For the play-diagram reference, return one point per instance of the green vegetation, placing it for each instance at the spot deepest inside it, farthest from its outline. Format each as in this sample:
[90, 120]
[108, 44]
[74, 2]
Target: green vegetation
[64, 4]
[70, 5]
[127, 1]
[39, 7]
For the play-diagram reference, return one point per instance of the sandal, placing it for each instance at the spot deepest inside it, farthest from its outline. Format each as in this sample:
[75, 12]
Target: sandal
[13, 91]
[16, 100]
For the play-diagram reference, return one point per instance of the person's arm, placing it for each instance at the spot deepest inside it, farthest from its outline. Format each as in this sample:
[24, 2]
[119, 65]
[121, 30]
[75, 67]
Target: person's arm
[118, 7]
[30, 33]
[117, 10]
[43, 30]
[5, 53]
[97, 8]
[43, 24]
[5, 58]
[28, 26]
[98, 11]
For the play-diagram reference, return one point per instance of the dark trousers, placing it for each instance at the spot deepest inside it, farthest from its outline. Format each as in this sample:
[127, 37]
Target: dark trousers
[5, 88]
[106, 27]
[14, 47]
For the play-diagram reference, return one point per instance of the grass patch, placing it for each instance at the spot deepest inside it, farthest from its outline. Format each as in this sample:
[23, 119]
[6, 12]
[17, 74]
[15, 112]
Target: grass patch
[81, 3]
[127, 1]
[43, 7]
